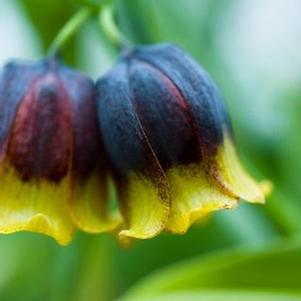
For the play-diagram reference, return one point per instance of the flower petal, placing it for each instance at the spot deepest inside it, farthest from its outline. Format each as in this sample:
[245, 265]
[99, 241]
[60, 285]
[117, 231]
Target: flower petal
[194, 196]
[202, 97]
[34, 206]
[89, 206]
[144, 205]
[230, 174]
[141, 183]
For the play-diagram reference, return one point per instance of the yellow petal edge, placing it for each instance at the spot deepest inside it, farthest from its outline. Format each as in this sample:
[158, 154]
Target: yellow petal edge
[171, 203]
[34, 206]
[194, 194]
[231, 175]
[145, 206]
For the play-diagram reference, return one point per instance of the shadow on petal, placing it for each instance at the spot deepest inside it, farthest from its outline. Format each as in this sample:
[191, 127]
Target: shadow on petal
[89, 206]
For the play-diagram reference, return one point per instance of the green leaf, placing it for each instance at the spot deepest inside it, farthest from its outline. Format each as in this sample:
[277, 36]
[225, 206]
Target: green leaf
[224, 296]
[276, 268]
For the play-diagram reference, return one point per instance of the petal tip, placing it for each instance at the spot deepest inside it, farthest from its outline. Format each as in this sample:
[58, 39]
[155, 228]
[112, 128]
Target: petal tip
[39, 223]
[140, 233]
[96, 226]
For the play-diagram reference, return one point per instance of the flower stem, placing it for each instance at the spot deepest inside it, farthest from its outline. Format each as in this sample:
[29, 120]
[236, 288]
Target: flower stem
[108, 25]
[69, 29]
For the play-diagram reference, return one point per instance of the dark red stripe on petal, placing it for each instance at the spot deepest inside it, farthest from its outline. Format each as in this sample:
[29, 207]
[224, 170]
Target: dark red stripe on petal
[40, 141]
[164, 114]
[16, 76]
[198, 89]
[88, 152]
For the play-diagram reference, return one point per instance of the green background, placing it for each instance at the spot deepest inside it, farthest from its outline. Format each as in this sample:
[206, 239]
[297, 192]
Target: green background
[252, 50]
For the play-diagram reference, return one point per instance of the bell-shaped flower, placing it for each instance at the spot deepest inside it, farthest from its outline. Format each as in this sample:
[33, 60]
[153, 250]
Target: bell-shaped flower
[170, 142]
[52, 173]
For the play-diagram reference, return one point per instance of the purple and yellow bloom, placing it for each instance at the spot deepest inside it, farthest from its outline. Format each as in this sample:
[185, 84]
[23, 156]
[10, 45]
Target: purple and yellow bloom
[52, 168]
[170, 143]
[155, 123]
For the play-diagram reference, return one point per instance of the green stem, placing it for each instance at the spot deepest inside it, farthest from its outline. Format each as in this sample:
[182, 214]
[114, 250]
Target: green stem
[69, 29]
[110, 28]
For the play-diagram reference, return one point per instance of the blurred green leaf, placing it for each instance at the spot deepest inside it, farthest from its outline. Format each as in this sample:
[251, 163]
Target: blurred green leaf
[276, 268]
[224, 296]
[52, 12]
[48, 18]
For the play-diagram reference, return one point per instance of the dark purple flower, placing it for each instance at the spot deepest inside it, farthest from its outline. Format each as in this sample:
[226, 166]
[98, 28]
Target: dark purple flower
[169, 140]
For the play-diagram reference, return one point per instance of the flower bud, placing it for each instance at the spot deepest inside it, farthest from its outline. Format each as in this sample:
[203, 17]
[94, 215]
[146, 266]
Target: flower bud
[53, 179]
[169, 138]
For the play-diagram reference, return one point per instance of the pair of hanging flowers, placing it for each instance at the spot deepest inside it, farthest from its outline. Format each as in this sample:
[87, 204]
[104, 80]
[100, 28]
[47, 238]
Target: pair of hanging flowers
[155, 126]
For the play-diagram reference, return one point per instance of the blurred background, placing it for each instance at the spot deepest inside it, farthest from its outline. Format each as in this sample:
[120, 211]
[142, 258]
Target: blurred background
[253, 51]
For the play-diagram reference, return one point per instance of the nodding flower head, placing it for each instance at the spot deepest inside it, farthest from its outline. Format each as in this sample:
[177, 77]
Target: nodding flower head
[170, 143]
[53, 176]
[156, 123]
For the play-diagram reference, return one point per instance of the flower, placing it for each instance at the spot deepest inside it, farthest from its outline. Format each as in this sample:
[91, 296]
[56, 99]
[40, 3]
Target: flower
[170, 142]
[53, 176]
